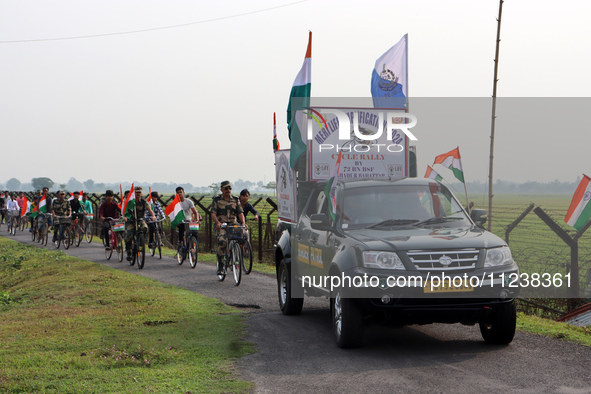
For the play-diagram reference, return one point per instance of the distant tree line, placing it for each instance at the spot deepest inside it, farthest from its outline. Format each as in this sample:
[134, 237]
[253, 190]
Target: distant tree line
[90, 186]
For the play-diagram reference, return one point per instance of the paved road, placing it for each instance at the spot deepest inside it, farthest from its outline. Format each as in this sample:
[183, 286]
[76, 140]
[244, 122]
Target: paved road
[297, 354]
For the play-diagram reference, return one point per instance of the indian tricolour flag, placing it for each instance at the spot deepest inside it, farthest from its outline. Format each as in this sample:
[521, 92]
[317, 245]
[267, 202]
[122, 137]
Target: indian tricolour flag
[276, 146]
[43, 203]
[299, 99]
[432, 174]
[579, 211]
[128, 205]
[26, 206]
[175, 212]
[453, 161]
[331, 189]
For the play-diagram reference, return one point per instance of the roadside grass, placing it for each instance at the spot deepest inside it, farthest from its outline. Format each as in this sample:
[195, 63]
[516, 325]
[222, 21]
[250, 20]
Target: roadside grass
[554, 329]
[69, 325]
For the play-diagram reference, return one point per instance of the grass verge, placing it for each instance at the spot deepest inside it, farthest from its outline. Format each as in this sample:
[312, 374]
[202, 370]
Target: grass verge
[69, 325]
[554, 329]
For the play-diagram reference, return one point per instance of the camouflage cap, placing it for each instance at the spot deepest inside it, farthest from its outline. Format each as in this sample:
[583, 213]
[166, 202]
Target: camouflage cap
[225, 183]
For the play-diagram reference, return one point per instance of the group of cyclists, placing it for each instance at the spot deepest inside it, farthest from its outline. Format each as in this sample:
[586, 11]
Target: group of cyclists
[226, 209]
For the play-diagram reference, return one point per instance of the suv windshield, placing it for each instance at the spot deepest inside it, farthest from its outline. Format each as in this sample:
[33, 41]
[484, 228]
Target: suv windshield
[401, 205]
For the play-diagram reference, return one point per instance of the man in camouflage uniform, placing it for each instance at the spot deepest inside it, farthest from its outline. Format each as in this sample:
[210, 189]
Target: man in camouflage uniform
[131, 214]
[60, 207]
[225, 208]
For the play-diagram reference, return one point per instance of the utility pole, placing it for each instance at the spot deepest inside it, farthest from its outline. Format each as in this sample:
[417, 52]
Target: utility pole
[492, 126]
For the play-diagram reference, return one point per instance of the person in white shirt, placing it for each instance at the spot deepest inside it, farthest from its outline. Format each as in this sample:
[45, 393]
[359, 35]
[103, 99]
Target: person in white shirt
[12, 206]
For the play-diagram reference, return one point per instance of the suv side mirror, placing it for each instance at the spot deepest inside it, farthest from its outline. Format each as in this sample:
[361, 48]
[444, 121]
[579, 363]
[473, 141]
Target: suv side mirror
[319, 221]
[479, 216]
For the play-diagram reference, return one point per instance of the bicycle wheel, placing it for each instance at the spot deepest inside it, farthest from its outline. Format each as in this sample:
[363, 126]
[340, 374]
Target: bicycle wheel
[236, 261]
[21, 224]
[141, 251]
[41, 235]
[152, 247]
[119, 247]
[67, 237]
[221, 267]
[133, 252]
[33, 232]
[88, 232]
[58, 239]
[180, 253]
[13, 226]
[45, 234]
[77, 236]
[246, 257]
[193, 251]
[111, 244]
[158, 242]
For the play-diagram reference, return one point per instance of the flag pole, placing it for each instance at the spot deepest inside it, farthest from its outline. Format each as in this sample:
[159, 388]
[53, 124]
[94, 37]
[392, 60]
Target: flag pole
[492, 126]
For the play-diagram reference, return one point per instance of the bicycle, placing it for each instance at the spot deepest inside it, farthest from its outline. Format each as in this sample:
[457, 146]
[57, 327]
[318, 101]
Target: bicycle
[63, 224]
[115, 238]
[76, 230]
[87, 228]
[246, 253]
[24, 222]
[13, 222]
[233, 257]
[138, 246]
[157, 239]
[34, 225]
[43, 230]
[188, 244]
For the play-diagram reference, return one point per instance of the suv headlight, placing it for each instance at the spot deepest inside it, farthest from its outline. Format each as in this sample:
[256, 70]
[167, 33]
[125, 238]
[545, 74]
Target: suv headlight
[498, 256]
[383, 260]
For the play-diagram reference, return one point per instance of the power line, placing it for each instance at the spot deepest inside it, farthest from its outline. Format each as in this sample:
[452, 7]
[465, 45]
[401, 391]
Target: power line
[153, 28]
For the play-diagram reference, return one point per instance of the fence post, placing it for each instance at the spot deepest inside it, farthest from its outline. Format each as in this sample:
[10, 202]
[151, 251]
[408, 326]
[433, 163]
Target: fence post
[572, 292]
[517, 221]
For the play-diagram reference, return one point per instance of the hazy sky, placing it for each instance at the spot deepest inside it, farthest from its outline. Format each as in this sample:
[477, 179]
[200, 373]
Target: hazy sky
[194, 103]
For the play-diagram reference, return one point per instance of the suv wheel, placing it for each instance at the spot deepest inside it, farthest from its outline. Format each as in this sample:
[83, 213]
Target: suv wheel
[288, 305]
[499, 327]
[347, 321]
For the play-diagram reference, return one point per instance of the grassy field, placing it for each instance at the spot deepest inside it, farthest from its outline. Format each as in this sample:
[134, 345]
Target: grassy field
[69, 325]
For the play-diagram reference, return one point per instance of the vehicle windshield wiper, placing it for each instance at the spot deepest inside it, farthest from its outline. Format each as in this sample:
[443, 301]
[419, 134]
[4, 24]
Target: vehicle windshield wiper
[436, 220]
[393, 222]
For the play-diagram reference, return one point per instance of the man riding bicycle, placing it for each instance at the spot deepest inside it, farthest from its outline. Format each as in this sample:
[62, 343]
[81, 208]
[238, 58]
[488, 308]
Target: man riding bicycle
[77, 209]
[61, 207]
[225, 208]
[158, 212]
[108, 209]
[132, 215]
[13, 211]
[189, 210]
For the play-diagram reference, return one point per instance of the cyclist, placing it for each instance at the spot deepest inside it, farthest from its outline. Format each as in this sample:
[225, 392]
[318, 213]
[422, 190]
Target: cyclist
[158, 212]
[11, 207]
[247, 207]
[61, 207]
[225, 208]
[3, 206]
[109, 208]
[21, 200]
[131, 215]
[86, 205]
[44, 211]
[189, 210]
[77, 209]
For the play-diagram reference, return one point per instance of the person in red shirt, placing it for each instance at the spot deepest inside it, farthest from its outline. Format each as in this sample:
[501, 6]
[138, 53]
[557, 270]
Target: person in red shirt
[108, 209]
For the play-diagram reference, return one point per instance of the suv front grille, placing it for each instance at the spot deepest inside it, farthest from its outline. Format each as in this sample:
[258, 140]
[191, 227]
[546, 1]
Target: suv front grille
[443, 260]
